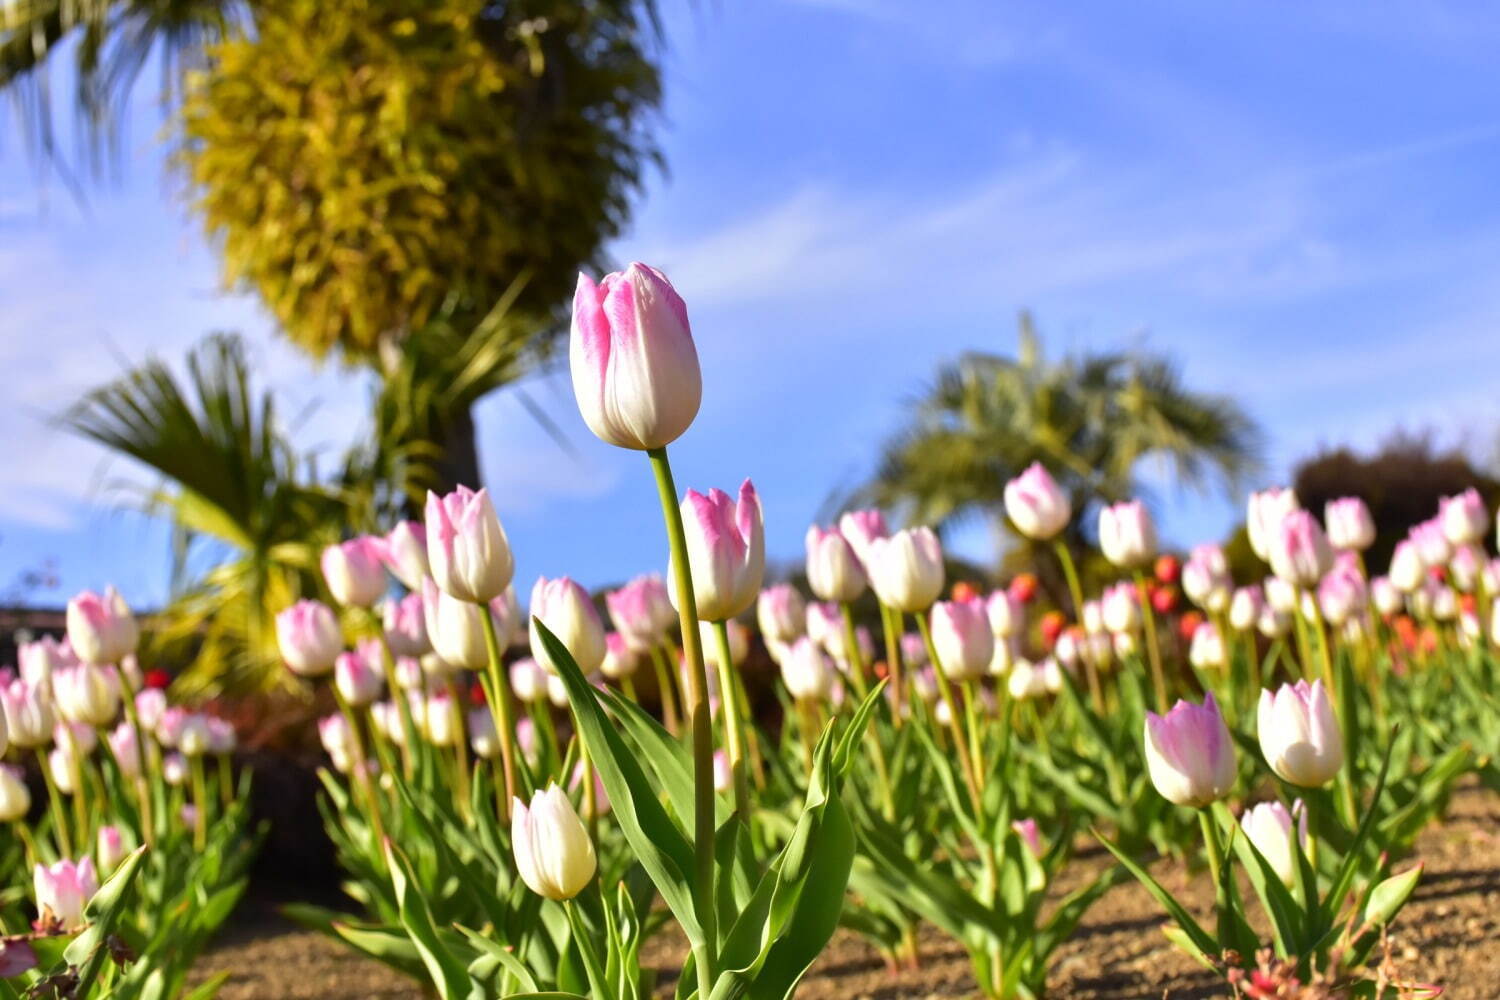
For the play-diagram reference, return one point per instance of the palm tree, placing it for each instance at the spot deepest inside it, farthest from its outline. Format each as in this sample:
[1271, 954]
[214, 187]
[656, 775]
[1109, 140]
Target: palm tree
[248, 522]
[1090, 419]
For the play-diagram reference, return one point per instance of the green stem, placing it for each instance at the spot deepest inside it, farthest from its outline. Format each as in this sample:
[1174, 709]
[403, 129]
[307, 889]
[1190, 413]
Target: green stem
[54, 801]
[733, 734]
[200, 803]
[1211, 844]
[499, 702]
[1153, 650]
[890, 621]
[857, 667]
[362, 774]
[143, 776]
[460, 744]
[960, 744]
[697, 711]
[398, 695]
[1096, 692]
[665, 691]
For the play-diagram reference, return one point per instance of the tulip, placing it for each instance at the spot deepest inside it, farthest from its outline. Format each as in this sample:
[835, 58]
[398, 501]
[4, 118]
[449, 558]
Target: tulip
[467, 549]
[1432, 543]
[354, 571]
[806, 671]
[358, 681]
[1026, 680]
[1273, 622]
[111, 848]
[962, 637]
[63, 890]
[1205, 578]
[1299, 734]
[1280, 594]
[1006, 614]
[455, 627]
[1207, 648]
[723, 776]
[1466, 567]
[405, 554]
[1005, 654]
[1127, 534]
[906, 569]
[565, 609]
[834, 572]
[1029, 834]
[1124, 644]
[739, 643]
[39, 659]
[1263, 518]
[1350, 527]
[635, 369]
[642, 612]
[1189, 753]
[222, 738]
[1093, 617]
[913, 650]
[1068, 647]
[483, 736]
[101, 629]
[87, 693]
[1269, 826]
[15, 797]
[620, 660]
[385, 716]
[309, 638]
[528, 680]
[781, 613]
[1299, 551]
[169, 726]
[726, 551]
[1464, 517]
[333, 732]
[405, 624]
[861, 527]
[60, 766]
[1036, 505]
[1245, 607]
[437, 720]
[1385, 596]
[1121, 607]
[825, 625]
[149, 706]
[1406, 571]
[1341, 596]
[554, 855]
[192, 740]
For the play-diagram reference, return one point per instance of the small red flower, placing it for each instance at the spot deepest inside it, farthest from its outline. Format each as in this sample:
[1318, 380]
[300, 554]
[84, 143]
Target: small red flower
[476, 694]
[1164, 599]
[1023, 587]
[1052, 625]
[158, 679]
[1188, 624]
[1168, 568]
[963, 590]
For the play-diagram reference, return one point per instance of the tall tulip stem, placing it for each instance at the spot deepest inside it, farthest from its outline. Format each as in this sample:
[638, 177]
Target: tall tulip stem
[1075, 591]
[55, 801]
[1153, 649]
[665, 691]
[499, 698]
[698, 721]
[890, 620]
[734, 738]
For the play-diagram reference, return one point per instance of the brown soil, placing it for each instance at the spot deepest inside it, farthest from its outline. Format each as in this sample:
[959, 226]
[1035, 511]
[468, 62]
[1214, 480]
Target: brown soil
[1449, 934]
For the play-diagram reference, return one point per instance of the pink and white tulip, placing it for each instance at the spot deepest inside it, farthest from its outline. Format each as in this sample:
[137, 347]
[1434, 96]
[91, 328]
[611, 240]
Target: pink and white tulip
[1263, 515]
[467, 549]
[1299, 734]
[1127, 534]
[963, 639]
[1350, 526]
[834, 571]
[1036, 505]
[1299, 551]
[554, 855]
[906, 569]
[101, 628]
[1189, 753]
[781, 613]
[726, 551]
[405, 554]
[354, 571]
[566, 610]
[642, 612]
[1464, 517]
[63, 889]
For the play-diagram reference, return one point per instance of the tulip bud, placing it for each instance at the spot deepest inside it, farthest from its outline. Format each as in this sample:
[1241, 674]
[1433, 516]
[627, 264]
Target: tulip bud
[1093, 616]
[437, 719]
[723, 777]
[405, 624]
[149, 705]
[455, 627]
[565, 608]
[861, 527]
[1464, 517]
[1433, 547]
[1350, 527]
[806, 671]
[962, 637]
[38, 660]
[1189, 753]
[101, 629]
[87, 693]
[333, 731]
[1273, 622]
[354, 572]
[467, 549]
[63, 890]
[1125, 644]
[1245, 607]
[1269, 826]
[913, 651]
[60, 765]
[15, 797]
[1205, 578]
[222, 738]
[1384, 595]
[634, 365]
[483, 736]
[405, 554]
[1406, 570]
[1121, 607]
[1263, 518]
[111, 849]
[1026, 680]
[357, 680]
[1341, 596]
[1036, 505]
[1299, 551]
[309, 638]
[781, 613]
[726, 551]
[1068, 647]
[1206, 652]
[1127, 534]
[192, 739]
[1005, 654]
[554, 855]
[834, 572]
[906, 569]
[1299, 734]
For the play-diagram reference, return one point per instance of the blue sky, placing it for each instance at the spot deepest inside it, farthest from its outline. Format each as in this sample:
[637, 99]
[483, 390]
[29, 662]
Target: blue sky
[1295, 201]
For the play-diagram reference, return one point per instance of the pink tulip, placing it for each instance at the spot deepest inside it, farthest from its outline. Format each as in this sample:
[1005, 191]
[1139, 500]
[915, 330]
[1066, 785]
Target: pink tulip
[28, 713]
[1007, 615]
[1263, 518]
[834, 572]
[1030, 835]
[354, 571]
[619, 659]
[1036, 505]
[634, 365]
[111, 848]
[568, 612]
[1127, 534]
[1350, 527]
[1245, 607]
[726, 550]
[1189, 753]
[1300, 553]
[405, 553]
[309, 638]
[861, 528]
[906, 569]
[63, 890]
[1464, 517]
[406, 625]
[642, 612]
[962, 637]
[1342, 595]
[358, 681]
[467, 549]
[781, 613]
[101, 629]
[40, 658]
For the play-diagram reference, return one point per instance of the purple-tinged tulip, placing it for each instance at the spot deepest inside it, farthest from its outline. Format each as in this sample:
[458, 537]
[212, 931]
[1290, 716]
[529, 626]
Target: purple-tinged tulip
[169, 726]
[333, 732]
[101, 628]
[1036, 505]
[1464, 517]
[309, 638]
[554, 854]
[642, 612]
[962, 637]
[1263, 518]
[781, 613]
[1270, 827]
[222, 738]
[28, 713]
[1466, 567]
[357, 680]
[149, 704]
[484, 738]
[619, 659]
[825, 625]
[723, 777]
[861, 528]
[635, 368]
[15, 797]
[405, 622]
[1341, 596]
[1189, 753]
[110, 849]
[354, 571]
[17, 956]
[726, 550]
[1030, 835]
[1205, 578]
[568, 612]
[906, 569]
[1350, 526]
[834, 571]
[1300, 553]
[405, 554]
[467, 549]
[1127, 534]
[63, 890]
[1432, 543]
[1299, 734]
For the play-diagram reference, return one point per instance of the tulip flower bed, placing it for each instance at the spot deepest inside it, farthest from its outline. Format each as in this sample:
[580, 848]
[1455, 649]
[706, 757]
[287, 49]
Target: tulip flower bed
[961, 776]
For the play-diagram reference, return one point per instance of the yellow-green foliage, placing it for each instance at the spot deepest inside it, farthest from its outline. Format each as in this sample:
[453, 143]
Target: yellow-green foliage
[367, 164]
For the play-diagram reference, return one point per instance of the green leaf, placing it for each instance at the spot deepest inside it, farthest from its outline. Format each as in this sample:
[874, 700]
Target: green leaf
[502, 956]
[1203, 944]
[89, 949]
[449, 975]
[1286, 915]
[209, 989]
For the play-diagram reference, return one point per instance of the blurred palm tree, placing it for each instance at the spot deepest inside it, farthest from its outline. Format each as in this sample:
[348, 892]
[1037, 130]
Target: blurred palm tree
[1090, 419]
[248, 520]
